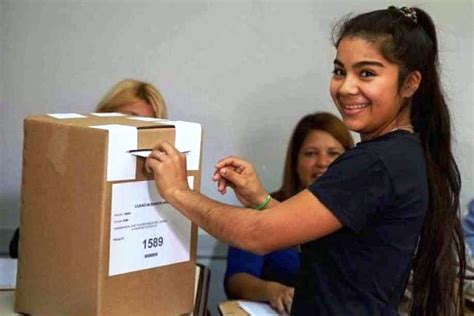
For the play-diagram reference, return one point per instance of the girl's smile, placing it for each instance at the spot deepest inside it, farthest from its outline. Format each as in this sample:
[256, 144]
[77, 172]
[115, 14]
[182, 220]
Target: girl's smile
[353, 108]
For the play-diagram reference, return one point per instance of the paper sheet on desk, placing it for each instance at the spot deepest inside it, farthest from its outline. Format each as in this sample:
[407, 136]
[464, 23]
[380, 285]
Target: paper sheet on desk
[8, 271]
[257, 308]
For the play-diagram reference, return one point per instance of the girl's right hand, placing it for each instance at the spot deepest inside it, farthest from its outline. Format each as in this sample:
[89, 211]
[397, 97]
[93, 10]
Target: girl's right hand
[240, 176]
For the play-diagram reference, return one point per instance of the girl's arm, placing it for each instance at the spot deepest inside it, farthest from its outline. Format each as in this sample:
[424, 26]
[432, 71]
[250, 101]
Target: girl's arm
[297, 220]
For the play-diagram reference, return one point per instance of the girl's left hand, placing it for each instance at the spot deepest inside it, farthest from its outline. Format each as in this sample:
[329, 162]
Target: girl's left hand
[240, 175]
[169, 167]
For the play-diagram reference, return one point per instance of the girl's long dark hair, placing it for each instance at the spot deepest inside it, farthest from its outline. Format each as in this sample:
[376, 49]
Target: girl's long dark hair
[412, 45]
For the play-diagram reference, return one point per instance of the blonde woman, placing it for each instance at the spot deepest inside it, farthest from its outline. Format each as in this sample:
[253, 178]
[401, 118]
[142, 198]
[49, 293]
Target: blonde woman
[134, 97]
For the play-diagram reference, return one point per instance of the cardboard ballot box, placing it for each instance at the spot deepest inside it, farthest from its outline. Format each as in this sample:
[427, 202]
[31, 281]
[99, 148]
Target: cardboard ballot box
[96, 237]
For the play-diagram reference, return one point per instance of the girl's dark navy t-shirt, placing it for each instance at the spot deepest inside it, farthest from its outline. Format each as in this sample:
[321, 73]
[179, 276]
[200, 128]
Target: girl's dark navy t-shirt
[379, 192]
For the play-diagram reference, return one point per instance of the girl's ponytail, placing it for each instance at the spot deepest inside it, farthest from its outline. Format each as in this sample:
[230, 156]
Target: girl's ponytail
[435, 289]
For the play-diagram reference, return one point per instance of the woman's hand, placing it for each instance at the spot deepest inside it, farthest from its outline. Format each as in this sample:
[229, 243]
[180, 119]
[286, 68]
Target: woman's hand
[280, 297]
[169, 167]
[240, 176]
[249, 287]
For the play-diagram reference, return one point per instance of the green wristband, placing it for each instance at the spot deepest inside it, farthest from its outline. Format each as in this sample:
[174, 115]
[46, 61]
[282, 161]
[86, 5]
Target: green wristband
[264, 203]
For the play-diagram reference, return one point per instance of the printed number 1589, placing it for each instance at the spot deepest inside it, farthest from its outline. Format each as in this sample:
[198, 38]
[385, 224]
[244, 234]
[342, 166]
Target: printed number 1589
[152, 242]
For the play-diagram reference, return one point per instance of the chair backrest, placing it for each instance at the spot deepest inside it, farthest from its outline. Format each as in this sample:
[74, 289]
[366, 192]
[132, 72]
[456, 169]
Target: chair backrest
[203, 277]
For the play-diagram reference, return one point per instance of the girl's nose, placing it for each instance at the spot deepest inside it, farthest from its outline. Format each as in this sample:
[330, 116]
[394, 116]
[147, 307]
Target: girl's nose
[348, 86]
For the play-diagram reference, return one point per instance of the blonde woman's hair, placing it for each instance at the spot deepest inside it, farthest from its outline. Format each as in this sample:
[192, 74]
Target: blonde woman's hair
[130, 90]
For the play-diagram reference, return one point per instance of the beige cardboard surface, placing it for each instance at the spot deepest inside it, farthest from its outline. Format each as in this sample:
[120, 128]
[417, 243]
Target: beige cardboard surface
[228, 308]
[65, 227]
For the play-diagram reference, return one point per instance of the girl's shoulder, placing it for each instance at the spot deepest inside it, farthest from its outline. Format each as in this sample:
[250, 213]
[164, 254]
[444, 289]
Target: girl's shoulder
[398, 154]
[397, 147]
[399, 138]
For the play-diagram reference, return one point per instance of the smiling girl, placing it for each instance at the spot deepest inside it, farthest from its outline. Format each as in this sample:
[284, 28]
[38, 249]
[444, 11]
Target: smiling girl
[388, 205]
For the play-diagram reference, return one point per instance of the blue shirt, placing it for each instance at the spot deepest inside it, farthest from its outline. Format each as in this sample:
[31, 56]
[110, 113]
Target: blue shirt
[379, 192]
[280, 266]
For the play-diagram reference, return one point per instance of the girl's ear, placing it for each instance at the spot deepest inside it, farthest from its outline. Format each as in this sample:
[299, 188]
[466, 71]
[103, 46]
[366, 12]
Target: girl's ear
[412, 82]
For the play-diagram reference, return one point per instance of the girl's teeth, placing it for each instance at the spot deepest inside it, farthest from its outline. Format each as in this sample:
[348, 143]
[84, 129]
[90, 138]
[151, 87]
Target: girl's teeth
[355, 106]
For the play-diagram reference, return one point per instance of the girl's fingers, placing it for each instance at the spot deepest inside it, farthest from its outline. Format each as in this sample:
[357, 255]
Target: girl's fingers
[216, 176]
[233, 177]
[221, 186]
[231, 161]
[164, 150]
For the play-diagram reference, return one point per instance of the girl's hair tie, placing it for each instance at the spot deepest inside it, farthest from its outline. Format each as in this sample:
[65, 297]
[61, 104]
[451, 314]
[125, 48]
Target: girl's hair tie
[407, 12]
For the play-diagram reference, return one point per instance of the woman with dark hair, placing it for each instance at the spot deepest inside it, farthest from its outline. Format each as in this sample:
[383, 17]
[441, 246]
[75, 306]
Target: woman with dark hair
[388, 205]
[317, 140]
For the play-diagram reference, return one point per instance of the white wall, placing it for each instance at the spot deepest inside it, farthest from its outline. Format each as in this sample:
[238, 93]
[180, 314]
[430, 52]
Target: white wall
[247, 70]
[3, 131]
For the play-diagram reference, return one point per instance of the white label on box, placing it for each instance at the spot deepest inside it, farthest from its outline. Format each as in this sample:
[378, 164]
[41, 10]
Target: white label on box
[8, 270]
[145, 231]
[120, 164]
[63, 116]
[107, 114]
[188, 137]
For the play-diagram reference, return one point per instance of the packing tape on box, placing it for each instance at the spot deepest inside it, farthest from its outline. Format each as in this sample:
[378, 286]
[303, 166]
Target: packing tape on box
[64, 116]
[187, 139]
[107, 114]
[121, 164]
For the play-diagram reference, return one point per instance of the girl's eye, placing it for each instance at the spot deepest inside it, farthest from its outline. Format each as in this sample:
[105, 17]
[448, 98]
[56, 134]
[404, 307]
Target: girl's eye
[367, 74]
[334, 154]
[338, 72]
